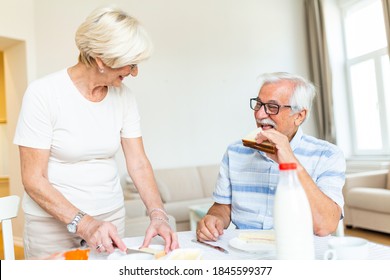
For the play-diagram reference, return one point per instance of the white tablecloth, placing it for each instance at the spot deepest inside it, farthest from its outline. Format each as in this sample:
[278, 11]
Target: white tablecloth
[376, 251]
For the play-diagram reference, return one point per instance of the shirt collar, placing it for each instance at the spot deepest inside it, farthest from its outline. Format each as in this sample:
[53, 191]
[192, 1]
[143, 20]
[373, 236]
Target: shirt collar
[296, 139]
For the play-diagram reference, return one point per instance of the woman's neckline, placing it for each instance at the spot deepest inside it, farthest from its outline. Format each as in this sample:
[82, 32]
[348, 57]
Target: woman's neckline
[80, 80]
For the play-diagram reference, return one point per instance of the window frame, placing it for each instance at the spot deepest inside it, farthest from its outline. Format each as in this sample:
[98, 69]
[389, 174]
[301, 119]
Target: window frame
[376, 56]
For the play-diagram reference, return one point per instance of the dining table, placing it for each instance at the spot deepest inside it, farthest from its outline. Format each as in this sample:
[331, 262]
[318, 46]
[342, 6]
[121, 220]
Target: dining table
[187, 238]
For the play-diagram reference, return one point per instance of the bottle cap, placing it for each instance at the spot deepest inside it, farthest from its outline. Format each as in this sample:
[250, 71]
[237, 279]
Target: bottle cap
[287, 166]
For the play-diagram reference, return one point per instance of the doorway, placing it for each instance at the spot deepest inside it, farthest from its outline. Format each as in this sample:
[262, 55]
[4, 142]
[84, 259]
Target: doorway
[15, 83]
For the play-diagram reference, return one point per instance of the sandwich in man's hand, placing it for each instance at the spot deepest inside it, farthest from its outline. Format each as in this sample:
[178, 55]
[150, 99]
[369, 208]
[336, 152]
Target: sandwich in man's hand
[265, 146]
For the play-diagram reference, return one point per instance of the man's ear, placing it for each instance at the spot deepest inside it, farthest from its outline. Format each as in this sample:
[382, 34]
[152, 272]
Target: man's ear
[301, 116]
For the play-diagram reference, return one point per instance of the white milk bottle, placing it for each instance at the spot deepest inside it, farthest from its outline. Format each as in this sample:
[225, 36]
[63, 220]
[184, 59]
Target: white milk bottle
[292, 217]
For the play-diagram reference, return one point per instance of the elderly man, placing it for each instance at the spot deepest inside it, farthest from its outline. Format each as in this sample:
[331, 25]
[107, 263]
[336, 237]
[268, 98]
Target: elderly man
[246, 186]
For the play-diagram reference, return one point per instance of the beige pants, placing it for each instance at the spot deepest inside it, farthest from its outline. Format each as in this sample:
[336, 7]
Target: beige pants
[44, 236]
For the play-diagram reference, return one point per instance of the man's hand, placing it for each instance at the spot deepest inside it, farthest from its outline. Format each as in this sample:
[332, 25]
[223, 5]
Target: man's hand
[284, 152]
[209, 228]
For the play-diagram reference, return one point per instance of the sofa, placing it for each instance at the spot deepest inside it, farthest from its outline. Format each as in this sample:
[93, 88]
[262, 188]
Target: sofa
[179, 188]
[136, 219]
[367, 200]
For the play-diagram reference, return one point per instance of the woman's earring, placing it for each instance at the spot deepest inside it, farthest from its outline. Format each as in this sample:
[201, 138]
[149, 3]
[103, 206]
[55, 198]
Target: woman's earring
[101, 70]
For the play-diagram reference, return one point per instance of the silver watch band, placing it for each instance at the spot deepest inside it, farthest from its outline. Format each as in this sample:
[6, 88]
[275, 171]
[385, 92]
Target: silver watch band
[72, 226]
[78, 217]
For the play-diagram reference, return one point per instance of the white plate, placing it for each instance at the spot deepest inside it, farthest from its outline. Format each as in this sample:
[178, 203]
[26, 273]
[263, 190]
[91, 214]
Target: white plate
[119, 255]
[251, 247]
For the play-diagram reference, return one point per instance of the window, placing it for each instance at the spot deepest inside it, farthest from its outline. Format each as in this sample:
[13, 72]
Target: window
[368, 72]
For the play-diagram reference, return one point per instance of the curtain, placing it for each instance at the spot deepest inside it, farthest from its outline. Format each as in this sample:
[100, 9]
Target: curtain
[386, 10]
[320, 70]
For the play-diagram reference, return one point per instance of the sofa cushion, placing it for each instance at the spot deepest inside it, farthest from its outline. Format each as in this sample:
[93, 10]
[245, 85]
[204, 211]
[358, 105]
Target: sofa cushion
[388, 180]
[371, 199]
[164, 191]
[179, 184]
[180, 209]
[135, 208]
[137, 226]
[208, 176]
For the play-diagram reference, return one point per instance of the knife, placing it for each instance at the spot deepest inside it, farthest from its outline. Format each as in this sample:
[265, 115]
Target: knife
[129, 251]
[212, 246]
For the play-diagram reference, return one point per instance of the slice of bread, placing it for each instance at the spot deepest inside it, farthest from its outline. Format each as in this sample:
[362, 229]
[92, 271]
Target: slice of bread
[157, 253]
[265, 146]
[259, 236]
[185, 254]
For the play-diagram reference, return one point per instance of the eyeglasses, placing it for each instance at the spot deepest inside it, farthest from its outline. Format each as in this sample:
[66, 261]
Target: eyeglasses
[270, 108]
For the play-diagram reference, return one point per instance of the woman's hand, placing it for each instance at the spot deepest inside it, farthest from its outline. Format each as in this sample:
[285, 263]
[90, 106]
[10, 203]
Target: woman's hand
[100, 235]
[160, 226]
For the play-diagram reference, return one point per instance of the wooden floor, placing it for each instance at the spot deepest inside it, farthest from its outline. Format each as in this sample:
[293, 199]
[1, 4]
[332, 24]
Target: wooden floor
[373, 236]
[377, 237]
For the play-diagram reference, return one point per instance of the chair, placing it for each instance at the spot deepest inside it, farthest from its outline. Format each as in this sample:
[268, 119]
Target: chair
[367, 200]
[9, 206]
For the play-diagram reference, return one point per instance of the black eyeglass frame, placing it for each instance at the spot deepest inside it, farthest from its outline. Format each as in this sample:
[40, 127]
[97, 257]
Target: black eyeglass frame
[266, 106]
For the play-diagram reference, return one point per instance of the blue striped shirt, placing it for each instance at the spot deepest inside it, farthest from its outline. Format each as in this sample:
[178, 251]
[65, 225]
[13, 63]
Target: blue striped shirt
[248, 178]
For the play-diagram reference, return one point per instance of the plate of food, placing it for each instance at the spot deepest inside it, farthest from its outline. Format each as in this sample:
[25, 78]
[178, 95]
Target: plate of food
[153, 252]
[254, 241]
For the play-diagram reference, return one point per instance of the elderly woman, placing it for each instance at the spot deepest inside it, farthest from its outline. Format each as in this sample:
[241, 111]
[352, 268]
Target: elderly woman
[70, 127]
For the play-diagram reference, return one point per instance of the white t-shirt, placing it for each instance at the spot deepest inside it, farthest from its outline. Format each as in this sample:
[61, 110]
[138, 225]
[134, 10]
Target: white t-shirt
[82, 136]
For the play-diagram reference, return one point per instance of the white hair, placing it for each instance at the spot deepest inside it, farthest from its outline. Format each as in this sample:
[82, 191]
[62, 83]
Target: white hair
[303, 93]
[115, 37]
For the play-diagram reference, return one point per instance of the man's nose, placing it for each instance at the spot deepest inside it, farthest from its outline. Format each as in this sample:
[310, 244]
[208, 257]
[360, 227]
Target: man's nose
[259, 114]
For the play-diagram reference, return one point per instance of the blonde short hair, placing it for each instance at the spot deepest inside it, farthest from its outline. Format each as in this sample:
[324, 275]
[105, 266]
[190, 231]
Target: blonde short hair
[115, 37]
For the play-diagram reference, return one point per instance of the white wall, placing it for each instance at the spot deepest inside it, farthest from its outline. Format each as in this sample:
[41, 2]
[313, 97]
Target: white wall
[193, 93]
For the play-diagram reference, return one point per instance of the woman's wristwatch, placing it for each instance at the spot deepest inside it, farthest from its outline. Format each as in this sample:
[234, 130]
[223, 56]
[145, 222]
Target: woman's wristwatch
[72, 226]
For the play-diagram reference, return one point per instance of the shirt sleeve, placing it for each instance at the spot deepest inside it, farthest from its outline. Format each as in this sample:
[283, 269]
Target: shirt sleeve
[223, 189]
[34, 128]
[131, 127]
[332, 178]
